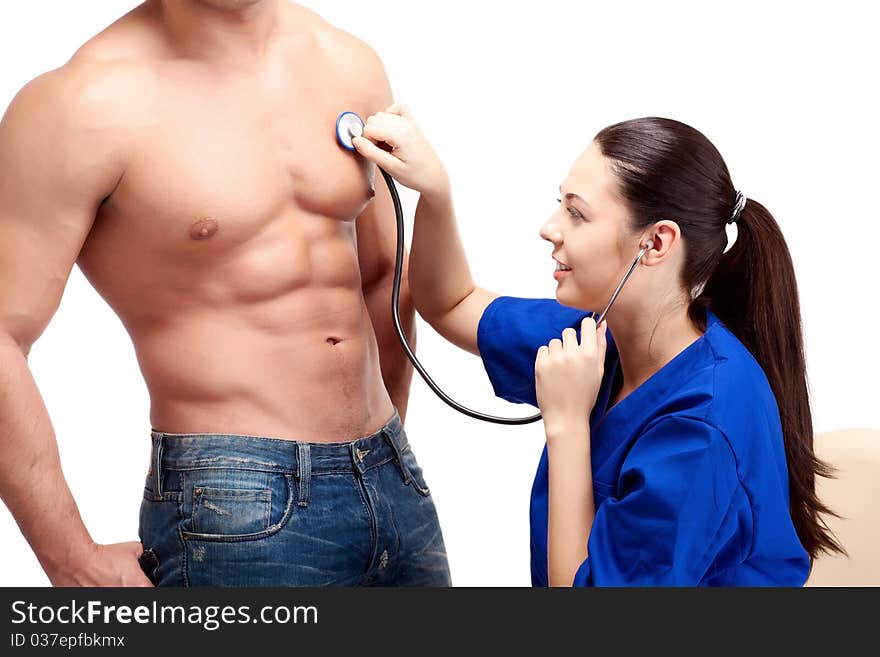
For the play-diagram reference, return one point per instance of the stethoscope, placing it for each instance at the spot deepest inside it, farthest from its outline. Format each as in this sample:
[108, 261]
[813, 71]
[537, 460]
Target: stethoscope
[348, 126]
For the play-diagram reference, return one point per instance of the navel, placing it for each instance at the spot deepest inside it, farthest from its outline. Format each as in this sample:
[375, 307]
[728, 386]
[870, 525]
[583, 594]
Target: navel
[204, 229]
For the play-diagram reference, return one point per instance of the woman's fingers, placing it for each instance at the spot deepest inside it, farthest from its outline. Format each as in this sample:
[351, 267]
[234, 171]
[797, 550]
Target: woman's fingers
[392, 125]
[569, 339]
[388, 117]
[592, 339]
[588, 335]
[602, 342]
[395, 130]
[377, 132]
[400, 109]
[386, 121]
[375, 154]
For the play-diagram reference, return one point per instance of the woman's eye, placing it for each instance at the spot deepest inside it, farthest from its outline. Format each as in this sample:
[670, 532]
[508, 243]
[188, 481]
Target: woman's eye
[574, 214]
[571, 211]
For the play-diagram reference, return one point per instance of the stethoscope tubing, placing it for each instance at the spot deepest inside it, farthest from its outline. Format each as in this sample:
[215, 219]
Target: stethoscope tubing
[345, 121]
[395, 307]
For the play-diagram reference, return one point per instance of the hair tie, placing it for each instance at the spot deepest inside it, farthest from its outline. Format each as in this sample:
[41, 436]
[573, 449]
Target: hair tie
[739, 206]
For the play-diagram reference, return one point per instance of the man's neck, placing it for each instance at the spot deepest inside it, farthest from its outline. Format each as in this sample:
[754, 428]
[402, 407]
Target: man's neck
[220, 29]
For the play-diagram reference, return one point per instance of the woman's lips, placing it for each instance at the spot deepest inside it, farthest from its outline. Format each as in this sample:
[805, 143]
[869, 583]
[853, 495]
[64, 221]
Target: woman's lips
[561, 273]
[561, 268]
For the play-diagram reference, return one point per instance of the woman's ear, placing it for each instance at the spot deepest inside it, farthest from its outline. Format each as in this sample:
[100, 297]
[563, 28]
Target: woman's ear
[664, 237]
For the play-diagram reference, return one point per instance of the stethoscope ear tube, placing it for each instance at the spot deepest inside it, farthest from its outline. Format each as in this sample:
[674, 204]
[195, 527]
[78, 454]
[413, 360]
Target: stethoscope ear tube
[645, 249]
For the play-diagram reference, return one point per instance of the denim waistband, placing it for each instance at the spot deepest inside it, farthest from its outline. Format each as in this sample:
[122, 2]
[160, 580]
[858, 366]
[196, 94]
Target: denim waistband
[194, 450]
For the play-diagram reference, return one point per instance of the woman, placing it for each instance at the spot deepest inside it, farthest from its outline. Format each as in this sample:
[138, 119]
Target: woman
[679, 442]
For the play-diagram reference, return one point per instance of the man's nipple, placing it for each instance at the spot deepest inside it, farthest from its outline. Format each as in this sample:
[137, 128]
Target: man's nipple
[204, 229]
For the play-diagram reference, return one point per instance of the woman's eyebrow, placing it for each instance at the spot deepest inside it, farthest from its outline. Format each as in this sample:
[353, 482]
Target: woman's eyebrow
[571, 195]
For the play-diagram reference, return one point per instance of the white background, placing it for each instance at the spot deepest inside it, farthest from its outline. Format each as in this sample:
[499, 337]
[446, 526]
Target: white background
[510, 93]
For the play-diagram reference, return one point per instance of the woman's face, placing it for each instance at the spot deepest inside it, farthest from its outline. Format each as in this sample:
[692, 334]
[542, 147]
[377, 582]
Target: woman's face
[590, 234]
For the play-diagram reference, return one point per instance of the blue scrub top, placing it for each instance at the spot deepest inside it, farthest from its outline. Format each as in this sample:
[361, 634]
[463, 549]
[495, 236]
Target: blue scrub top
[689, 471]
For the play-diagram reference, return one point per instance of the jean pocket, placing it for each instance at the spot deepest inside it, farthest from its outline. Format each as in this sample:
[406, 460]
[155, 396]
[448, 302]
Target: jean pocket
[416, 476]
[230, 510]
[236, 505]
[170, 487]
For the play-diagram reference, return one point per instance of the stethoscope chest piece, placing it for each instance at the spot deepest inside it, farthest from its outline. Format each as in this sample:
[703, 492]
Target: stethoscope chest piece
[348, 126]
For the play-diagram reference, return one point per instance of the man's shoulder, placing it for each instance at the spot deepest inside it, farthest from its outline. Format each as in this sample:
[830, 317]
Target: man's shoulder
[333, 38]
[78, 95]
[354, 59]
[94, 88]
[83, 110]
[351, 50]
[119, 58]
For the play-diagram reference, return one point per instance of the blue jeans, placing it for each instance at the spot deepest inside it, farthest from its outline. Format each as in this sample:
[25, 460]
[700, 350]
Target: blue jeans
[228, 510]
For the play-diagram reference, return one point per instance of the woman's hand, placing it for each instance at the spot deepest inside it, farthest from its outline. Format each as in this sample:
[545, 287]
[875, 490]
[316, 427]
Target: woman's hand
[567, 380]
[568, 376]
[411, 161]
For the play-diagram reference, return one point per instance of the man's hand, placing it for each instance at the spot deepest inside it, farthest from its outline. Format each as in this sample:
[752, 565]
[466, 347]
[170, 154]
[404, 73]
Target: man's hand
[106, 565]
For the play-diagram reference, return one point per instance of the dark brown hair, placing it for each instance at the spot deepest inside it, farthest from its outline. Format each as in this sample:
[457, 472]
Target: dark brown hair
[665, 169]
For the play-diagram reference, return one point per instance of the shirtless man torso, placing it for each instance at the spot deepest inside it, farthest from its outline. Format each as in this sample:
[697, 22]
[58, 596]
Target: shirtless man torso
[185, 159]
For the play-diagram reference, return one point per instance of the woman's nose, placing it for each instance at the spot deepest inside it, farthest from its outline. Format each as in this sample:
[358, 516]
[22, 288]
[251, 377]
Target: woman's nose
[550, 233]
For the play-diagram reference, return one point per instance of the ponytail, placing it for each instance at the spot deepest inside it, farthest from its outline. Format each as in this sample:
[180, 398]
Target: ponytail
[753, 291]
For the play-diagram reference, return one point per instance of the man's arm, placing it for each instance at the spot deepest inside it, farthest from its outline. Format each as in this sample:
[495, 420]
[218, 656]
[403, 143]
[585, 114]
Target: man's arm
[377, 249]
[58, 160]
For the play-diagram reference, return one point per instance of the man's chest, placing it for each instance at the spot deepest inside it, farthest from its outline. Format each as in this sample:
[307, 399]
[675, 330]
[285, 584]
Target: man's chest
[227, 158]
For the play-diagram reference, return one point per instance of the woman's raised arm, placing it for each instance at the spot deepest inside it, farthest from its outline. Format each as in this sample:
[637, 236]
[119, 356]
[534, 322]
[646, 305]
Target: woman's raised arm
[440, 281]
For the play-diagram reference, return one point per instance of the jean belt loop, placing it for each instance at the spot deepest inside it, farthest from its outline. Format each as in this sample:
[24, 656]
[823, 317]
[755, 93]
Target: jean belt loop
[303, 472]
[404, 471]
[157, 466]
